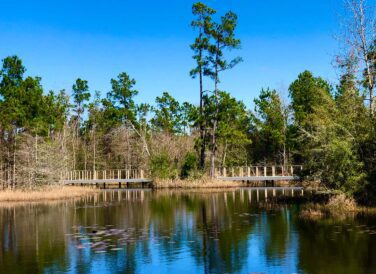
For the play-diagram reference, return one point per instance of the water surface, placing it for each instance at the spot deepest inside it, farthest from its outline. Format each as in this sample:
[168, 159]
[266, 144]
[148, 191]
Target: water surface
[140, 231]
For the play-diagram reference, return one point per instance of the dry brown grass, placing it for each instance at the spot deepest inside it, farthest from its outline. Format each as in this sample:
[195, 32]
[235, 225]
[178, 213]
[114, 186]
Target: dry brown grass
[341, 203]
[199, 183]
[45, 194]
[339, 206]
[313, 212]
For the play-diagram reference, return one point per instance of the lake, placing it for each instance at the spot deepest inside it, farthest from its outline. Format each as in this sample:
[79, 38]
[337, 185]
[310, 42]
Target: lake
[211, 231]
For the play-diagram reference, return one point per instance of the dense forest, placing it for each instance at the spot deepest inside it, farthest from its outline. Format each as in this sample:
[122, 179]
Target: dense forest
[330, 128]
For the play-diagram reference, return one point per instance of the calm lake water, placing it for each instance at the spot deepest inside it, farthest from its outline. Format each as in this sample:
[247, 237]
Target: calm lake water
[140, 231]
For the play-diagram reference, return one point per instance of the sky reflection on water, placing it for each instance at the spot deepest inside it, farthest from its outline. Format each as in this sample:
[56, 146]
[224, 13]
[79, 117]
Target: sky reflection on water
[139, 231]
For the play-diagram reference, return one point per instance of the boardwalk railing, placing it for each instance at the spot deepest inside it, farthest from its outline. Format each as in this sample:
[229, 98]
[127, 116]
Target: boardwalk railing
[290, 172]
[104, 175]
[244, 173]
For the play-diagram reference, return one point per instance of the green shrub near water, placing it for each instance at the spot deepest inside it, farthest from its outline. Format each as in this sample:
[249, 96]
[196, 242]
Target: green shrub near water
[189, 166]
[163, 167]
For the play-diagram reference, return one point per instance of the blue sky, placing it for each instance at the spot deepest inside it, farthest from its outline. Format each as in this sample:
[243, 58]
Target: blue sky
[96, 40]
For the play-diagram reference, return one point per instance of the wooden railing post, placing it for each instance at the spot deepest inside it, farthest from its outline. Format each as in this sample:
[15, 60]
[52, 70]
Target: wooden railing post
[292, 170]
[240, 171]
[224, 172]
[257, 171]
[248, 172]
[265, 171]
[273, 171]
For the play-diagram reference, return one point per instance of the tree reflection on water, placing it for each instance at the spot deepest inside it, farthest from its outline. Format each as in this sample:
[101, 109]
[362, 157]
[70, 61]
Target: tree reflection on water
[137, 231]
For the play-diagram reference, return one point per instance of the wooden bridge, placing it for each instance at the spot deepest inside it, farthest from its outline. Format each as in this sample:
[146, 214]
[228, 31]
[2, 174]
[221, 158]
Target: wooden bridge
[113, 176]
[259, 173]
[127, 177]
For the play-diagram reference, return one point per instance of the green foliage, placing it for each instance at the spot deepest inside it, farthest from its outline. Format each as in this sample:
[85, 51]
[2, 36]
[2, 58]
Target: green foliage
[23, 104]
[271, 130]
[170, 116]
[162, 167]
[233, 127]
[167, 114]
[11, 73]
[307, 92]
[189, 166]
[122, 97]
[329, 133]
[203, 24]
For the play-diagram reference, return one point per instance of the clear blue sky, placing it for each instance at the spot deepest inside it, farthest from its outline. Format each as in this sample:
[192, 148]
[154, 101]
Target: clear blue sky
[62, 40]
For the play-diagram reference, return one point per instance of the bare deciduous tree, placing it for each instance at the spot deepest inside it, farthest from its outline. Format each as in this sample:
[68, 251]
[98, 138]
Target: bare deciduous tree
[358, 37]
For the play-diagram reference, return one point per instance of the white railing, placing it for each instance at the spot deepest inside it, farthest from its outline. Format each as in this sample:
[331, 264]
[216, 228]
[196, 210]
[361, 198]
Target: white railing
[259, 171]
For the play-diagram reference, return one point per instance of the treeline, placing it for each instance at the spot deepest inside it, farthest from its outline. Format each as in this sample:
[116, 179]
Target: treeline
[330, 129]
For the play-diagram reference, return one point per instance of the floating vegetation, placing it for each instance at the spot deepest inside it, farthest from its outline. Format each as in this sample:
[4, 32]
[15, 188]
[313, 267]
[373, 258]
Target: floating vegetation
[101, 239]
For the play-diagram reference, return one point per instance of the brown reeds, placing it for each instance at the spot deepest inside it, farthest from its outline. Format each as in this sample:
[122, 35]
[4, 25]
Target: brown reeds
[45, 194]
[204, 182]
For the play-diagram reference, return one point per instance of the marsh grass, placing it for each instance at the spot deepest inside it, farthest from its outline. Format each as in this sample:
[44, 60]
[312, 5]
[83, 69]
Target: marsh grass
[339, 205]
[204, 182]
[45, 194]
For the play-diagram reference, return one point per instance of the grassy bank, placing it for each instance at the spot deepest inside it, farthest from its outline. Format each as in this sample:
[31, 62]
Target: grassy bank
[45, 194]
[192, 184]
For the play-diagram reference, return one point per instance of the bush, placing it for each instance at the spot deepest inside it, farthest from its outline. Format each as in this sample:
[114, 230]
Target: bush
[189, 165]
[162, 167]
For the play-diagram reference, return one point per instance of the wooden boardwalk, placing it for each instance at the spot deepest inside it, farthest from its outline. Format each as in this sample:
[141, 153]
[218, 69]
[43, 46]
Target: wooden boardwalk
[259, 173]
[118, 177]
[130, 177]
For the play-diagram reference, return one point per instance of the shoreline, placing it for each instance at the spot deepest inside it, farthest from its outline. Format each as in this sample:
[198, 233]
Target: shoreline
[46, 194]
[61, 193]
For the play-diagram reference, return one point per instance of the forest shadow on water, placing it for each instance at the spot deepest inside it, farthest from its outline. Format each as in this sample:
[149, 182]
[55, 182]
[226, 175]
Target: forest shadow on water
[217, 231]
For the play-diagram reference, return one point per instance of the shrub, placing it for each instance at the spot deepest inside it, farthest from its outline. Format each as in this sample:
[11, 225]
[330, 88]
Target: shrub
[189, 165]
[162, 167]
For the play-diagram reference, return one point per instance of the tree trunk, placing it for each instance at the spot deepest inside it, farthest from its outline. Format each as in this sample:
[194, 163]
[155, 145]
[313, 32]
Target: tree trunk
[202, 127]
[214, 141]
[94, 148]
[14, 162]
[224, 154]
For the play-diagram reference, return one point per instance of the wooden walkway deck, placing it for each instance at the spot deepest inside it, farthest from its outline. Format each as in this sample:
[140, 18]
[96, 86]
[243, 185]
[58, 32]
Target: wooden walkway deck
[141, 177]
[259, 178]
